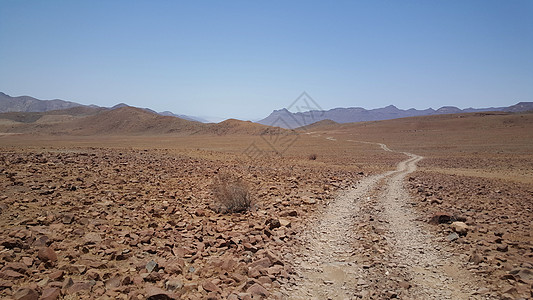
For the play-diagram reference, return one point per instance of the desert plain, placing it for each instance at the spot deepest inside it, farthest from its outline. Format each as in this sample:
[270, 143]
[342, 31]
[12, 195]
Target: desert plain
[436, 207]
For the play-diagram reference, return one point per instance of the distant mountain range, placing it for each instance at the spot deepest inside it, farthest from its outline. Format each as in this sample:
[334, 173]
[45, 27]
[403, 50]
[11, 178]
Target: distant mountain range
[289, 120]
[30, 104]
[278, 118]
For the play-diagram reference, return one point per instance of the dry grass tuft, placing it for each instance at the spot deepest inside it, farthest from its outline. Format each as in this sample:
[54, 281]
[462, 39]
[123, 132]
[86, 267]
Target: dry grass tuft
[231, 193]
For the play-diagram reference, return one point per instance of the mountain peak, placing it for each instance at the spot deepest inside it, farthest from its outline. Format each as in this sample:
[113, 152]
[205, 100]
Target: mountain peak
[121, 104]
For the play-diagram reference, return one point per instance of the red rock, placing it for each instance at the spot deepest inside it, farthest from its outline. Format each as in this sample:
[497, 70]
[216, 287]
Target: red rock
[263, 262]
[291, 213]
[460, 227]
[79, 287]
[26, 294]
[284, 222]
[113, 282]
[228, 264]
[15, 266]
[264, 280]
[210, 286]
[476, 258]
[257, 290]
[56, 275]
[502, 248]
[5, 284]
[47, 255]
[52, 293]
[273, 258]
[10, 275]
[441, 218]
[155, 293]
[28, 261]
[272, 223]
[92, 238]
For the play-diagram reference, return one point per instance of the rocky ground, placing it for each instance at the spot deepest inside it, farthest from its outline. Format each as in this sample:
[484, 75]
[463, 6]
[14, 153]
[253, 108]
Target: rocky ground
[85, 223]
[140, 222]
[498, 238]
[369, 243]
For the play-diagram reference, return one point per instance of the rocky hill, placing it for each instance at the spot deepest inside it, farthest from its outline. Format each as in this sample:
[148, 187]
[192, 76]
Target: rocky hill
[30, 104]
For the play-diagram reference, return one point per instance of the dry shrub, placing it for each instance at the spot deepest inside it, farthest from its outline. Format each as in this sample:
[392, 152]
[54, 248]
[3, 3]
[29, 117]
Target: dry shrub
[231, 193]
[312, 156]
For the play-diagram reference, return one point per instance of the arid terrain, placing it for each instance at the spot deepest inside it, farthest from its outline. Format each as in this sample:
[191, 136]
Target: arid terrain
[97, 206]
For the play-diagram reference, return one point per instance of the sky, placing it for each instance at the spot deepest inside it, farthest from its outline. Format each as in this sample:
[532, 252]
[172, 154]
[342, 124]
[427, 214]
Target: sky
[243, 59]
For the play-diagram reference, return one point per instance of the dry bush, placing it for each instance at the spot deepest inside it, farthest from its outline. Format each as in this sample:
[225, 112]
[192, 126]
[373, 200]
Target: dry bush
[312, 156]
[231, 193]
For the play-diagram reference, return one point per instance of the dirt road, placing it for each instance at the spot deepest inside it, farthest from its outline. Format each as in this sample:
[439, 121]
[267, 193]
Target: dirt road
[368, 244]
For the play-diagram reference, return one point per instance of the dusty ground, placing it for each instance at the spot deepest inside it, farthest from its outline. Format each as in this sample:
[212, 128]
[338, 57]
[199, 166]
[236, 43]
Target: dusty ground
[130, 216]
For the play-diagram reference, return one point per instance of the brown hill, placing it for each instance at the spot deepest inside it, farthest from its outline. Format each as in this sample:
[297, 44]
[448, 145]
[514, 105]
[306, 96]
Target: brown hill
[121, 121]
[130, 120]
[320, 125]
[232, 126]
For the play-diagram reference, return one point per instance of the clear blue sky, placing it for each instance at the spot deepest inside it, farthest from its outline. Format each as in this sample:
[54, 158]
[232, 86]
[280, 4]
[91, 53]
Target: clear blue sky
[246, 58]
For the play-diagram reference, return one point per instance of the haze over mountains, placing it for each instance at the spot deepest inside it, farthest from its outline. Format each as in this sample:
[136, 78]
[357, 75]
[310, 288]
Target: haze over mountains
[290, 120]
[123, 118]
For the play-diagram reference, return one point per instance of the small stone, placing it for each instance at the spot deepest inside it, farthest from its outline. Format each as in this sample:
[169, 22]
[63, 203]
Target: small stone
[52, 293]
[155, 293]
[47, 255]
[441, 218]
[56, 275]
[113, 282]
[284, 222]
[67, 218]
[173, 284]
[210, 286]
[151, 265]
[452, 237]
[257, 290]
[404, 284]
[26, 294]
[273, 223]
[460, 227]
[502, 247]
[10, 275]
[476, 258]
[80, 286]
[309, 201]
[28, 261]
[92, 238]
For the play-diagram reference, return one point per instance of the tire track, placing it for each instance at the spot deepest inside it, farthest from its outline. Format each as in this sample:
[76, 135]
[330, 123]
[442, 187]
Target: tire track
[328, 264]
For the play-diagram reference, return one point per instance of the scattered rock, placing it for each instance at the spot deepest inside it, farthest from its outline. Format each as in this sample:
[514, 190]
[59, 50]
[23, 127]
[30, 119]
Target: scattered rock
[452, 237]
[47, 255]
[26, 294]
[155, 293]
[257, 290]
[52, 293]
[475, 258]
[460, 227]
[92, 238]
[210, 286]
[151, 266]
[502, 247]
